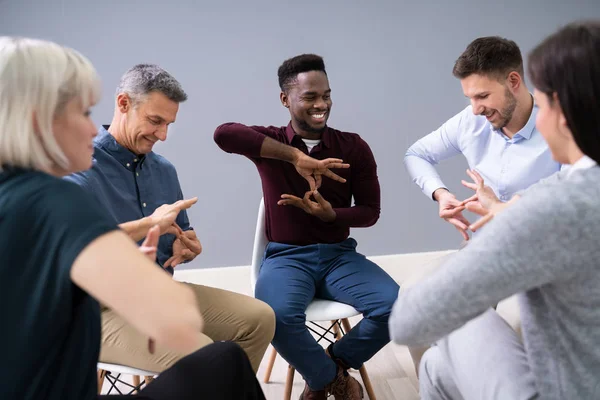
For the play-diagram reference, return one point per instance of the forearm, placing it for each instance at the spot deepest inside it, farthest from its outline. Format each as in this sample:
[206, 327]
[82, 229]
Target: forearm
[156, 305]
[137, 229]
[276, 150]
[424, 174]
[504, 260]
[367, 199]
[250, 141]
[357, 216]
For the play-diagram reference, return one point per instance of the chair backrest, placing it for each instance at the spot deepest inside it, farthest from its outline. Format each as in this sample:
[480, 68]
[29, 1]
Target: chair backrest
[260, 244]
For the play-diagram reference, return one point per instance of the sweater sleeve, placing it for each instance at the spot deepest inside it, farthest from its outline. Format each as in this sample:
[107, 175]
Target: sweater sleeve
[528, 245]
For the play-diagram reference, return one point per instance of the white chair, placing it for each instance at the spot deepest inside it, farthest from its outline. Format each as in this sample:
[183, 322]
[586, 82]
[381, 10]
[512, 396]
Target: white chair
[318, 310]
[112, 373]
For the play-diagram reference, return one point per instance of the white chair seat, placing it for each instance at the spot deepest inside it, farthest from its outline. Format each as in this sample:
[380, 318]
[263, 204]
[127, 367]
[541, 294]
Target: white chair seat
[327, 310]
[122, 369]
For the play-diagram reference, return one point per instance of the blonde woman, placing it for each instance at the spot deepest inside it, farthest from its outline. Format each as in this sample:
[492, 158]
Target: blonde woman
[60, 253]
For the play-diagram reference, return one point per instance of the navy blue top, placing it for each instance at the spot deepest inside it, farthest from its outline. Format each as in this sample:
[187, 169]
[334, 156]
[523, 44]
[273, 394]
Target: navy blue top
[132, 186]
[50, 327]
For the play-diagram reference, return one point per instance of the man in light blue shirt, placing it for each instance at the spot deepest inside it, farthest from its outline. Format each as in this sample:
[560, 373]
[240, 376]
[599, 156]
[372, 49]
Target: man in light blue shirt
[496, 133]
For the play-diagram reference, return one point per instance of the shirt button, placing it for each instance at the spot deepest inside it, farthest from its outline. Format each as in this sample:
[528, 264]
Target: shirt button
[127, 164]
[135, 160]
[137, 174]
[144, 204]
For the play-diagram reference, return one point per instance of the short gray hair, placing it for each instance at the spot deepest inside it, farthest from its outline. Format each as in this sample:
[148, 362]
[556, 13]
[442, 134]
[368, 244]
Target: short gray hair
[143, 79]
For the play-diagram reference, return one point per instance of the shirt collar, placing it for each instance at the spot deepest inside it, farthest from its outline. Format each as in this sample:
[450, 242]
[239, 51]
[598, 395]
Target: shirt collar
[325, 136]
[584, 162]
[108, 142]
[529, 127]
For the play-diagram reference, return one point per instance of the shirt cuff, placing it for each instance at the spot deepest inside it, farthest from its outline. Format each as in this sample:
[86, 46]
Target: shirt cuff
[431, 186]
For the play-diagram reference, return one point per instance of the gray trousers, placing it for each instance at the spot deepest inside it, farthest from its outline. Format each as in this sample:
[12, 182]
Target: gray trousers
[483, 360]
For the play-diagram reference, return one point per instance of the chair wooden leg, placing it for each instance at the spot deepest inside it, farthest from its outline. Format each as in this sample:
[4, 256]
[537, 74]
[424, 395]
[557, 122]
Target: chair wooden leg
[270, 366]
[289, 383]
[101, 375]
[346, 325]
[336, 329]
[136, 382]
[367, 382]
[363, 371]
[148, 379]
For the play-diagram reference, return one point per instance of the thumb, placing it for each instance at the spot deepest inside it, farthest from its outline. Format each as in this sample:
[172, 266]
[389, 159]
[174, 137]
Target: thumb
[319, 198]
[311, 181]
[152, 237]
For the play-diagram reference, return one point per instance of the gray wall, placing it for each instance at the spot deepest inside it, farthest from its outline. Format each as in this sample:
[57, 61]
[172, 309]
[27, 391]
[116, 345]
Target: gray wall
[389, 64]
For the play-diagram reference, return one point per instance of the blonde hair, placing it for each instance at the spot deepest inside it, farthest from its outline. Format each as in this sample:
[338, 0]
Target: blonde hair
[37, 79]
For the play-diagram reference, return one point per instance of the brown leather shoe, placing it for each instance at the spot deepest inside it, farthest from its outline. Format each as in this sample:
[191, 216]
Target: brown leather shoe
[309, 394]
[343, 387]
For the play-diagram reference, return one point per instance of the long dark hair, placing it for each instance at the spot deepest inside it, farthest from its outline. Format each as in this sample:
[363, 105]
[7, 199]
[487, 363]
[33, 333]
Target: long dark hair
[568, 63]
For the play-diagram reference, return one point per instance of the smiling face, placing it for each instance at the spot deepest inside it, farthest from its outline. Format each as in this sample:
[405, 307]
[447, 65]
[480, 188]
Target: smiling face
[491, 98]
[309, 102]
[146, 121]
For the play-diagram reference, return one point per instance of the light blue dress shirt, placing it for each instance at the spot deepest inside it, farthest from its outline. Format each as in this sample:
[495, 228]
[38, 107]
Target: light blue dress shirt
[507, 165]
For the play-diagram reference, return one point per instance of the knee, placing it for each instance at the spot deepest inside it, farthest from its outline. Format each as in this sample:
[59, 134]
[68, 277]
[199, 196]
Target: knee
[261, 319]
[386, 297]
[429, 378]
[281, 312]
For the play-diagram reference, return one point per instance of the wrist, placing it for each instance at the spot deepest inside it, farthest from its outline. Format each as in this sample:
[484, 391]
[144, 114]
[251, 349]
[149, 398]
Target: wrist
[439, 193]
[147, 223]
[329, 217]
[295, 155]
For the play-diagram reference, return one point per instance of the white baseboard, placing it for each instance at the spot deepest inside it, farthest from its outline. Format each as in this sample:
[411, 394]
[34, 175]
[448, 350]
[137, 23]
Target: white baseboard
[237, 279]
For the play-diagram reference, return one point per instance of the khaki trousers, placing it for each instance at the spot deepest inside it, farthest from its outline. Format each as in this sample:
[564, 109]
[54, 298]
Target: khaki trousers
[228, 316]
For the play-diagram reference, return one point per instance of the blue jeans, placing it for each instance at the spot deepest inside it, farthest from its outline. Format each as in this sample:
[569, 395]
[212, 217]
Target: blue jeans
[291, 276]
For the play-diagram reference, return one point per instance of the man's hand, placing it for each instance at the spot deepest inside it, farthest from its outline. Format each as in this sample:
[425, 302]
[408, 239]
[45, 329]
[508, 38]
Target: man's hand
[451, 210]
[185, 248]
[484, 198]
[313, 170]
[320, 208]
[165, 215]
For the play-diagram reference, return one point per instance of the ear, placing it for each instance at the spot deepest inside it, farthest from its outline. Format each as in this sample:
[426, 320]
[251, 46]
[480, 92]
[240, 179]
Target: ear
[124, 102]
[284, 99]
[562, 120]
[514, 80]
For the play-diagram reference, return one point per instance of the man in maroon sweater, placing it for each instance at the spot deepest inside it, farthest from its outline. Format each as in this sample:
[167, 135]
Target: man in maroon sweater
[309, 214]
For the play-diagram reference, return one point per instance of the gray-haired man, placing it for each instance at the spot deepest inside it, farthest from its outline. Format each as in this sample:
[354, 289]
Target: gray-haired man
[140, 189]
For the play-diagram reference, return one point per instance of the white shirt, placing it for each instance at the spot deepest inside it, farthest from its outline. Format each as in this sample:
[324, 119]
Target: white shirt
[583, 163]
[310, 143]
[506, 165]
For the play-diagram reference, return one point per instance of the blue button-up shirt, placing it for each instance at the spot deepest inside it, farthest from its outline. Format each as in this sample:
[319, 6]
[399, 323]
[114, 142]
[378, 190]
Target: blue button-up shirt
[507, 165]
[131, 187]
